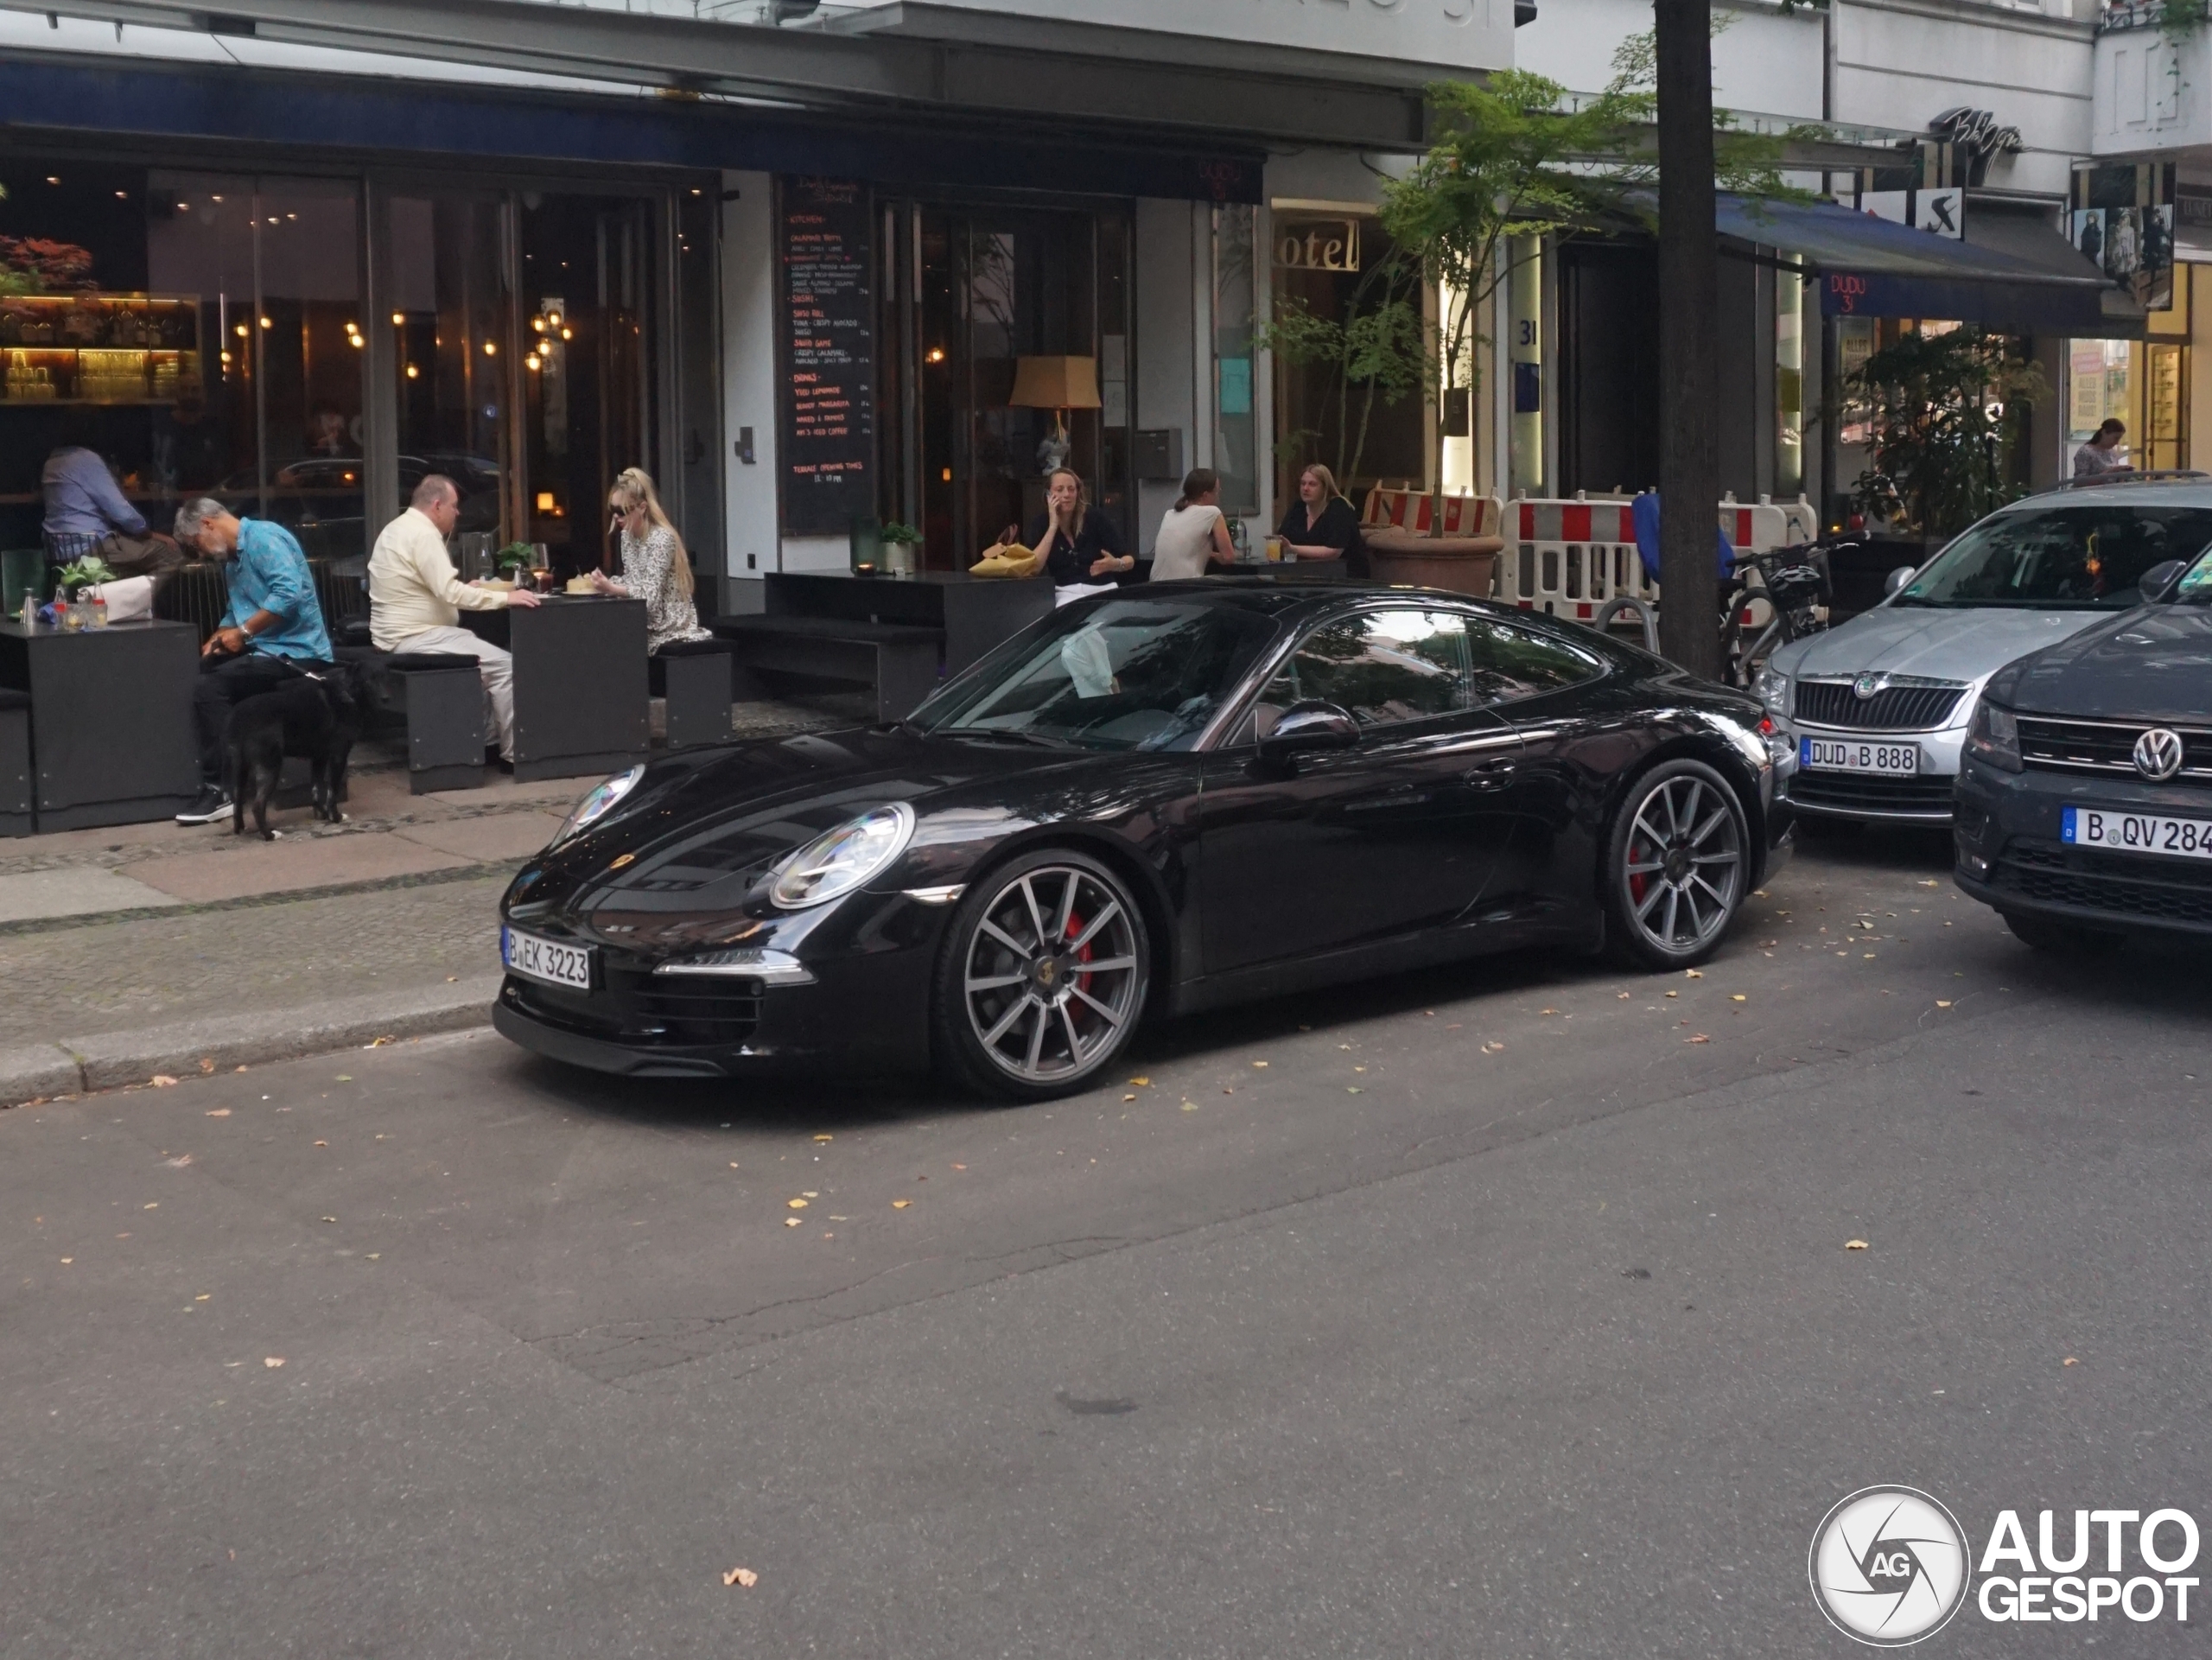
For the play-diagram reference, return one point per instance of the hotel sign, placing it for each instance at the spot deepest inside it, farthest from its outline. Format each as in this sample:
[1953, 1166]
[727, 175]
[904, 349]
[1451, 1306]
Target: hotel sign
[1318, 245]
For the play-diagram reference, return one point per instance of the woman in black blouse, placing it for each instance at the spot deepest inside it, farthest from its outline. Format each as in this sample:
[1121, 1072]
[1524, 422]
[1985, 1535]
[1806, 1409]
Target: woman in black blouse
[1321, 524]
[1080, 545]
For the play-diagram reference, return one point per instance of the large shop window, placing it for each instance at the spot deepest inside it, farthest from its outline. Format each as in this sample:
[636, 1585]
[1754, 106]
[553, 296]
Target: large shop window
[1236, 291]
[201, 332]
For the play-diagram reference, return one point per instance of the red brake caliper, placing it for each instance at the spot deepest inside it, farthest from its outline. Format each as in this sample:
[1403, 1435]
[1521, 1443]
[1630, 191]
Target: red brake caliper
[1075, 931]
[1637, 878]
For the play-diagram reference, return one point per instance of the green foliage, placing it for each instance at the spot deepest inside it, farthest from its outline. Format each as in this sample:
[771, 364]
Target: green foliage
[516, 556]
[1944, 414]
[86, 572]
[1376, 351]
[894, 532]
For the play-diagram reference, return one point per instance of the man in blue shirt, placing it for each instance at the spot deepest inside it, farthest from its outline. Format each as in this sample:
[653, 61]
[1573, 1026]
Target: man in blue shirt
[272, 631]
[86, 513]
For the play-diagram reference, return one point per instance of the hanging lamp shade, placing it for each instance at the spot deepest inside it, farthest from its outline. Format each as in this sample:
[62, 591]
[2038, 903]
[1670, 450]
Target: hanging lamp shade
[1055, 383]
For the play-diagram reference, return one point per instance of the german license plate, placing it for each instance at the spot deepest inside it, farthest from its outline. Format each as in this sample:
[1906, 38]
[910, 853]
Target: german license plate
[1858, 755]
[2136, 832]
[545, 959]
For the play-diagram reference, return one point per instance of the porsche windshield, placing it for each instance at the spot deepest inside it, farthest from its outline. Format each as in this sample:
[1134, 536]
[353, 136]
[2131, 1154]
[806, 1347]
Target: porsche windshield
[2062, 557]
[1120, 673]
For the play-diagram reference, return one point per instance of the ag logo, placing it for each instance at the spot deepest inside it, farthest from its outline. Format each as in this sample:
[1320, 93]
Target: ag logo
[1888, 1566]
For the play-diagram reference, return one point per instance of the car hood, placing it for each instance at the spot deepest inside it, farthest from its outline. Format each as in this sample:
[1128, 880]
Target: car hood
[1964, 646]
[2153, 663]
[700, 830]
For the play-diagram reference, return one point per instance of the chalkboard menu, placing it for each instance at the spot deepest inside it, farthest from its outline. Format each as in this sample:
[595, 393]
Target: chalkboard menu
[828, 451]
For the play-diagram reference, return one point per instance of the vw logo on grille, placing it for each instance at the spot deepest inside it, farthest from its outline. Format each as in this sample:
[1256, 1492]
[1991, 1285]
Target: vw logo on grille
[2157, 754]
[1866, 685]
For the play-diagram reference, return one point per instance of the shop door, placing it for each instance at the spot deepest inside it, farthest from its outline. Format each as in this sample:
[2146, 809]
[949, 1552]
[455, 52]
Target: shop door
[452, 304]
[997, 287]
[586, 367]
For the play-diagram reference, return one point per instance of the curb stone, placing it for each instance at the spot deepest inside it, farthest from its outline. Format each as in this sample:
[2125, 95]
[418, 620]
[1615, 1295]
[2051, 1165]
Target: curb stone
[110, 1060]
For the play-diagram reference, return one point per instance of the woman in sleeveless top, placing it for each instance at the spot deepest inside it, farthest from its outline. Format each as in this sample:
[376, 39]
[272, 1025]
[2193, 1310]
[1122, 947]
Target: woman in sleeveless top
[1192, 533]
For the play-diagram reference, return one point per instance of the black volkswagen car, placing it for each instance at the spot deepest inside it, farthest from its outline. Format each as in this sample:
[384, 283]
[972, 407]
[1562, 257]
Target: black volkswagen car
[1154, 801]
[2085, 800]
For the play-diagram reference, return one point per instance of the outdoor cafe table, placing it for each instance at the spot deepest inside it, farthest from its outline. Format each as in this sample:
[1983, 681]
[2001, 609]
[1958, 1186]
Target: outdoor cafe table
[580, 697]
[975, 613]
[111, 737]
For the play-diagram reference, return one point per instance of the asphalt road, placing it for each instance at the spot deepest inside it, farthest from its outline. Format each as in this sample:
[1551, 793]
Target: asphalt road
[1505, 1312]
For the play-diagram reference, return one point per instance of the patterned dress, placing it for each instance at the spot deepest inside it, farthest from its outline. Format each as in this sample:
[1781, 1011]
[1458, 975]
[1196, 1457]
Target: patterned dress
[648, 571]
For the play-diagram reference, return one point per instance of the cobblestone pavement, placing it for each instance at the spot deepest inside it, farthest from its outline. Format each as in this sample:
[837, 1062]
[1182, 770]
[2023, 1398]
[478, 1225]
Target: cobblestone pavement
[107, 976]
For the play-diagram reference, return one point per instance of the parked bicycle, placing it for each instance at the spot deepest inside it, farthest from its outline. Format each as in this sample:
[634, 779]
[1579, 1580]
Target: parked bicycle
[1793, 588]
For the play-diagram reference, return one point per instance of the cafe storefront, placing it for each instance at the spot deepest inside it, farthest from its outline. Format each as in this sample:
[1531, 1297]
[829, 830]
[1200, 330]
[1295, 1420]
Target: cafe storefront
[305, 345]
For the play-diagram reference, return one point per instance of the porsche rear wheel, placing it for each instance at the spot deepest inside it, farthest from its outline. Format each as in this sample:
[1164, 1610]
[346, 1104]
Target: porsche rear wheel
[1042, 977]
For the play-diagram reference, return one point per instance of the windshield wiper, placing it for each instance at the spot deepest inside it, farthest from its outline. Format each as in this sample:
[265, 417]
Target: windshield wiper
[1003, 735]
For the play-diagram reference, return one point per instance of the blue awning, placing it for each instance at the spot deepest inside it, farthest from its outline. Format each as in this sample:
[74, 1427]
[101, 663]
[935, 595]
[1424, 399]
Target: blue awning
[2013, 271]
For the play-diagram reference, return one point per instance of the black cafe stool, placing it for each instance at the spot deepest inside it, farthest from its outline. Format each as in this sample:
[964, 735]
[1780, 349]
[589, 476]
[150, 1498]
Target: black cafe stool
[442, 694]
[16, 796]
[693, 676]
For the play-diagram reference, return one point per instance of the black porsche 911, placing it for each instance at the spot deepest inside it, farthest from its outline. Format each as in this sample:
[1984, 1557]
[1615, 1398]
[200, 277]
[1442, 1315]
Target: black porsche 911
[1155, 800]
[2084, 810]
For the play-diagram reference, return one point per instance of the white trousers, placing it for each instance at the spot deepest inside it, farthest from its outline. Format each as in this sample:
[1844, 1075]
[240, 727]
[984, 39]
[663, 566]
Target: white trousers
[494, 664]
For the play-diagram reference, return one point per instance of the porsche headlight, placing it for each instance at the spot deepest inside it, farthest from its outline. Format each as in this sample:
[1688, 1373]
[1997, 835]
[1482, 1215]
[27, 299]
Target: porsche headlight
[842, 859]
[605, 797]
[1771, 687]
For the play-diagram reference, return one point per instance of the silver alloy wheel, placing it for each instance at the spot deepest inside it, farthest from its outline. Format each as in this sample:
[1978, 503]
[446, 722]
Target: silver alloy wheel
[1683, 864]
[1052, 976]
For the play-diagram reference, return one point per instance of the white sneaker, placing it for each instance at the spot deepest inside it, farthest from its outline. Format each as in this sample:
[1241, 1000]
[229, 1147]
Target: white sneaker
[212, 804]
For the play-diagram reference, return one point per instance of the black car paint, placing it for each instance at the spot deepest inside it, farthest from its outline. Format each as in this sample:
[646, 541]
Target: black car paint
[1518, 821]
[2149, 666]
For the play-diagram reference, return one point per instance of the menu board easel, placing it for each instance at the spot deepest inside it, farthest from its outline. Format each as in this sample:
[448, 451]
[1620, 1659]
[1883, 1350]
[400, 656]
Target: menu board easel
[828, 449]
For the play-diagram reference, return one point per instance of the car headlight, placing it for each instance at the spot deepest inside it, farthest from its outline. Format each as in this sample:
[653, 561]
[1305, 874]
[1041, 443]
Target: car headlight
[837, 862]
[1771, 687]
[1993, 735]
[605, 797]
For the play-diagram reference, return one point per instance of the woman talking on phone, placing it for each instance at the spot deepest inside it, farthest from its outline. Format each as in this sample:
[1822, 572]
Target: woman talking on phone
[655, 568]
[1079, 545]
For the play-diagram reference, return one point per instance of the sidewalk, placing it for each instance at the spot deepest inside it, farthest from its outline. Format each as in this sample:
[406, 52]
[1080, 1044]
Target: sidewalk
[164, 949]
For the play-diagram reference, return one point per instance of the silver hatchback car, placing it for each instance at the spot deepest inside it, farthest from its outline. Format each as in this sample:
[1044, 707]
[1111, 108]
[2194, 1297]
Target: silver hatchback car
[1877, 708]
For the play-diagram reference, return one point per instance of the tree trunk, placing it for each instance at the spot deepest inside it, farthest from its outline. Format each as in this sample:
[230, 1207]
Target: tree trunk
[1689, 389]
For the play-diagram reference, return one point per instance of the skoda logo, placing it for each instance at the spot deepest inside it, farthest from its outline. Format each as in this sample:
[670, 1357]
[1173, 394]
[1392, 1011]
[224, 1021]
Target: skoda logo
[1866, 685]
[1888, 1566]
[2157, 754]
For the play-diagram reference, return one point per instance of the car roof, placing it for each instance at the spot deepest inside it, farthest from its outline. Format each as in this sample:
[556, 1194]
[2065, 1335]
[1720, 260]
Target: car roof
[1297, 599]
[2123, 490]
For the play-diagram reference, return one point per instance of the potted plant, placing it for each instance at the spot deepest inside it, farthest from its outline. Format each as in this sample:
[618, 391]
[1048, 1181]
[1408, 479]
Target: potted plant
[899, 541]
[512, 560]
[1944, 416]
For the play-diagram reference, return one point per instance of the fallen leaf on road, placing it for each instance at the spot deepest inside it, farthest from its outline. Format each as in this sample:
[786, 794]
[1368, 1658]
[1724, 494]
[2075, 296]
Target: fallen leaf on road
[733, 1164]
[322, 1143]
[219, 1112]
[744, 1576]
[1260, 1063]
[163, 1080]
[900, 1204]
[1673, 994]
[155, 1205]
[330, 1218]
[1694, 974]
[1351, 1088]
[809, 1194]
[1943, 1002]
[203, 1296]
[66, 1261]
[2070, 1361]
[1189, 1106]
[1140, 1080]
[452, 979]
[1548, 1011]
[375, 1043]
[1854, 1244]
[344, 1077]
[205, 1064]
[1623, 996]
[273, 1361]
[796, 1203]
[791, 1222]
[1735, 997]
[1129, 1098]
[959, 1166]
[825, 1136]
[178, 1162]
[1930, 884]
[1697, 1037]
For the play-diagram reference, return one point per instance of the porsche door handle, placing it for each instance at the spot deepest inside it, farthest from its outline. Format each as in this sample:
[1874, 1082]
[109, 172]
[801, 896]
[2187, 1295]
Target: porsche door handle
[1490, 772]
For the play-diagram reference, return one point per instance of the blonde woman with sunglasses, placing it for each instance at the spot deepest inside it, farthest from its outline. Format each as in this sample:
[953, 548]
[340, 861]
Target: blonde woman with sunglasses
[655, 568]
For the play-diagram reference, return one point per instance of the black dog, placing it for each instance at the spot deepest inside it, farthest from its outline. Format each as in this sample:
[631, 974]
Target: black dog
[316, 717]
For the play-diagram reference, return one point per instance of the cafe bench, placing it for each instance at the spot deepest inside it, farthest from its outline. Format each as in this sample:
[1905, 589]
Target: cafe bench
[898, 662]
[17, 813]
[692, 678]
[440, 696]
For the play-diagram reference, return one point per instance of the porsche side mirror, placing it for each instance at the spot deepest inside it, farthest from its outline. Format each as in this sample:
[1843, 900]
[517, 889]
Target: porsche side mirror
[1897, 579]
[2157, 584]
[1308, 727]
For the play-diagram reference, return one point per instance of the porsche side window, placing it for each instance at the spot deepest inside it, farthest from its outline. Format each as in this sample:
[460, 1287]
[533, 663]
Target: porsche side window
[1506, 661]
[1383, 666]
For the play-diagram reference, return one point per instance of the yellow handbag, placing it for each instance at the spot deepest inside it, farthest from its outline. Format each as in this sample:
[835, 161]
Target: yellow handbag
[1013, 560]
